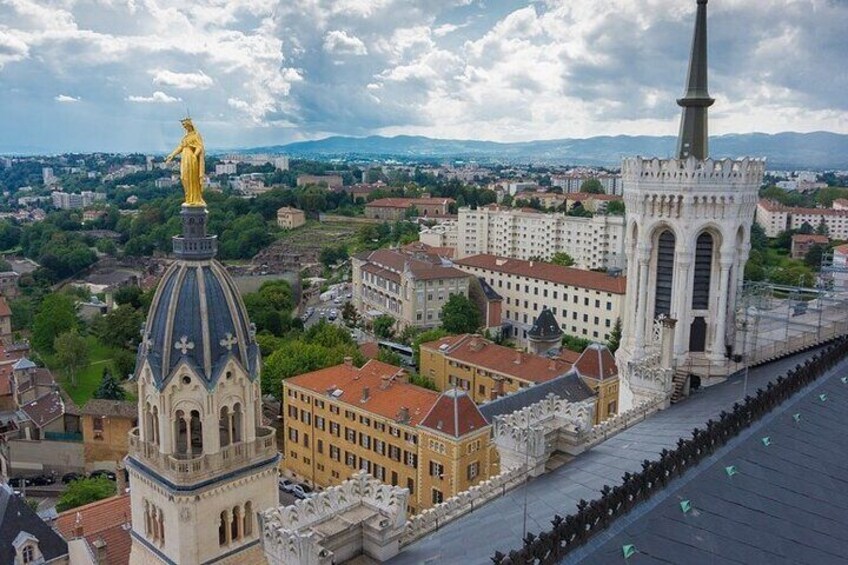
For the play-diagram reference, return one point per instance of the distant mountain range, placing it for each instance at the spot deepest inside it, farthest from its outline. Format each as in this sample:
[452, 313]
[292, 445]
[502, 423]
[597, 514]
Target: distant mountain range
[817, 150]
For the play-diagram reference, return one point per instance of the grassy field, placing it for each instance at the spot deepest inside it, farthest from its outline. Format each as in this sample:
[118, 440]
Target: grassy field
[88, 379]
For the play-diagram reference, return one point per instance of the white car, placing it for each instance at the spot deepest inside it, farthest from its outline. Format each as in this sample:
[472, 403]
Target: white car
[302, 491]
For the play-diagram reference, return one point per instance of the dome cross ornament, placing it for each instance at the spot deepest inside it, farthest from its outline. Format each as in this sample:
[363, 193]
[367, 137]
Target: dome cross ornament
[184, 345]
[229, 341]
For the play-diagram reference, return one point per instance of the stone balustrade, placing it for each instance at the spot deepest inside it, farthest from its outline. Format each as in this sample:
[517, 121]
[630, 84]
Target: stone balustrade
[461, 504]
[183, 469]
[621, 422]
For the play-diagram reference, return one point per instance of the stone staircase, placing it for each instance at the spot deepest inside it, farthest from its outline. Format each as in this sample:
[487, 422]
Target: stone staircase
[678, 384]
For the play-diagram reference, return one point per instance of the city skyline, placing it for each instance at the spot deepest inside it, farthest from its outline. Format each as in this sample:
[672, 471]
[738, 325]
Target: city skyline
[118, 77]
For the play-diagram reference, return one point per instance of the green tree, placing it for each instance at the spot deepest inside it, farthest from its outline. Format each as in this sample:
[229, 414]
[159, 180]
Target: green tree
[110, 387]
[22, 313]
[120, 328]
[297, 357]
[349, 314]
[759, 240]
[71, 354]
[422, 381]
[563, 259]
[123, 363]
[806, 229]
[128, 294]
[822, 228]
[386, 355]
[592, 186]
[57, 315]
[614, 340]
[460, 315]
[814, 255]
[575, 343]
[106, 246]
[615, 208]
[85, 491]
[384, 326]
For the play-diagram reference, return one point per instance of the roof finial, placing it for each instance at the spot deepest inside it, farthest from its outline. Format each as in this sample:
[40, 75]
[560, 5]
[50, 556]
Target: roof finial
[693, 138]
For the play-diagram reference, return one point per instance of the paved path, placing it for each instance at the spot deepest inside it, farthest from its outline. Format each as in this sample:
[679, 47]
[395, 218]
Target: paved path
[474, 538]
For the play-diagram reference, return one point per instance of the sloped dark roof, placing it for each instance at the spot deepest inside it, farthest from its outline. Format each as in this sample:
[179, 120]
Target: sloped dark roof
[568, 386]
[45, 409]
[786, 503]
[454, 414]
[488, 290]
[545, 327]
[17, 517]
[111, 408]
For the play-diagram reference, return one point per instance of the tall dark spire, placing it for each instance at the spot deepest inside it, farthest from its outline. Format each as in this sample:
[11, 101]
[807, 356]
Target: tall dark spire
[693, 139]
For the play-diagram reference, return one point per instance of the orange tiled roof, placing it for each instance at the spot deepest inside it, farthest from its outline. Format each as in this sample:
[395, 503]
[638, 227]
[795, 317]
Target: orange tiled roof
[809, 238]
[352, 381]
[454, 414]
[475, 350]
[547, 271]
[407, 202]
[597, 363]
[106, 519]
[5, 311]
[389, 263]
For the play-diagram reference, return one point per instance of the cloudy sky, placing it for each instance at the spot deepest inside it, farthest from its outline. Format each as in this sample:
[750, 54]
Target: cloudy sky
[117, 75]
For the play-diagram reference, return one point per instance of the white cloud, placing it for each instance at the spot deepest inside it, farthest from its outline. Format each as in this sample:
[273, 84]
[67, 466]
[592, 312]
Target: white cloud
[66, 98]
[339, 42]
[182, 81]
[157, 97]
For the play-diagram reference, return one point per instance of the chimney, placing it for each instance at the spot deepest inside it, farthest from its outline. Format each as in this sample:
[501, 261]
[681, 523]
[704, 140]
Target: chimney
[78, 530]
[366, 393]
[552, 365]
[403, 415]
[100, 551]
[348, 361]
[121, 478]
[517, 358]
[385, 382]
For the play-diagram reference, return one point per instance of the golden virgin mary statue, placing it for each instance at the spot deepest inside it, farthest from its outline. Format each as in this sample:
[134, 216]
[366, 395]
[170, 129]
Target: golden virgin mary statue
[192, 164]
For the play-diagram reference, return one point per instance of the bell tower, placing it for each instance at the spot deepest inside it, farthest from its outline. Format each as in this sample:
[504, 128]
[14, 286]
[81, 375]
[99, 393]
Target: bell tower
[687, 241]
[201, 464]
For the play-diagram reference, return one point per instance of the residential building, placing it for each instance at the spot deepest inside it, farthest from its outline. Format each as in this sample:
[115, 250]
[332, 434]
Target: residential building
[840, 204]
[775, 218]
[330, 181]
[105, 428]
[290, 218]
[586, 303]
[443, 234]
[5, 312]
[92, 215]
[573, 181]
[802, 243]
[24, 537]
[226, 168]
[342, 419]
[593, 243]
[839, 270]
[73, 201]
[596, 366]
[9, 284]
[392, 209]
[98, 533]
[166, 182]
[410, 287]
[47, 176]
[484, 369]
[281, 163]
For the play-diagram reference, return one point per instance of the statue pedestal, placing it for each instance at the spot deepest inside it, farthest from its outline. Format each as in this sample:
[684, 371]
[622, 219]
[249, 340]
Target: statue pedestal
[194, 244]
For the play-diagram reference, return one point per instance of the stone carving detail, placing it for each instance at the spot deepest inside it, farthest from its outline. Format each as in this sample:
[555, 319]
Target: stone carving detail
[287, 534]
[184, 345]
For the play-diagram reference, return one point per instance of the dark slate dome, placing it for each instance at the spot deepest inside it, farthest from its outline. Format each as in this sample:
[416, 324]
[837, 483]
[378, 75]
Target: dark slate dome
[546, 327]
[197, 314]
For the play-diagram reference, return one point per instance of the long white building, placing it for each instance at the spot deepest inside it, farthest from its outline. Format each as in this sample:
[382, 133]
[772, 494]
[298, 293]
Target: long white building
[594, 243]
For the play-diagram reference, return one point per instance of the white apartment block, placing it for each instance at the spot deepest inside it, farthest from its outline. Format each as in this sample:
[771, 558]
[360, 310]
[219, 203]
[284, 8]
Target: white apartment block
[774, 218]
[585, 303]
[226, 168]
[70, 201]
[594, 243]
[444, 234]
[571, 183]
[411, 288]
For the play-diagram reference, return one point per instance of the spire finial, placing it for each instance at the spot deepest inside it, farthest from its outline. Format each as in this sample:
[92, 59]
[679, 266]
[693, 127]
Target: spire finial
[693, 139]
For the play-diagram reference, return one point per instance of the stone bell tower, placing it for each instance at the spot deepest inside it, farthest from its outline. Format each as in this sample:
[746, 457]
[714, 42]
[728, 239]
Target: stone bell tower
[201, 464]
[688, 237]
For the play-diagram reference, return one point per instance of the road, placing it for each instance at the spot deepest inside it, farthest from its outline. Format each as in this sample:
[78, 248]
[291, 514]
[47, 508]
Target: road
[323, 309]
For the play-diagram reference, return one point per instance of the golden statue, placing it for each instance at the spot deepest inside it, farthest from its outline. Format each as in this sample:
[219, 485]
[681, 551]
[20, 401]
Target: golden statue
[192, 164]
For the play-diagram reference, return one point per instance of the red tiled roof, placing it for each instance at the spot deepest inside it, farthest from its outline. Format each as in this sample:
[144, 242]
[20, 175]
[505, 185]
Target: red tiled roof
[547, 271]
[5, 312]
[580, 196]
[475, 350]
[841, 249]
[397, 261]
[5, 380]
[809, 238]
[568, 355]
[597, 363]
[407, 202]
[44, 410]
[454, 414]
[386, 402]
[106, 519]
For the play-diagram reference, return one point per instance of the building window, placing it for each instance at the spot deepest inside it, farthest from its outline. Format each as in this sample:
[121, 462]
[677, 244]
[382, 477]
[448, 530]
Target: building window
[665, 273]
[703, 270]
[437, 470]
[438, 497]
[472, 471]
[410, 484]
[28, 554]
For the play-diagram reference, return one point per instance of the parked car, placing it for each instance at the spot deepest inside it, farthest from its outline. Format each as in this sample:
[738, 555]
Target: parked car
[17, 482]
[302, 491]
[286, 485]
[333, 315]
[42, 480]
[102, 473]
[70, 477]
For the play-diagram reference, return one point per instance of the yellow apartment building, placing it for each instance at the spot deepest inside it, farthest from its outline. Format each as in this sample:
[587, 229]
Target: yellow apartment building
[343, 418]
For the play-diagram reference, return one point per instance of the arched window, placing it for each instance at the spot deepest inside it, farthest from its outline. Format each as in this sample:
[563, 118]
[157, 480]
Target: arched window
[665, 273]
[237, 423]
[248, 519]
[224, 426]
[180, 432]
[156, 425]
[235, 523]
[148, 423]
[222, 529]
[703, 271]
[196, 433]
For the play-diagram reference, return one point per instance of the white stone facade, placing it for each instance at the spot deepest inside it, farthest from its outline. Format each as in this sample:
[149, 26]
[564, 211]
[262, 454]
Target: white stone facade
[444, 234]
[688, 238]
[593, 243]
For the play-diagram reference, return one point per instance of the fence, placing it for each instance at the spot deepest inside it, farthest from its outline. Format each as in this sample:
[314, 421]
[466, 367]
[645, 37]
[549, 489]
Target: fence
[568, 533]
